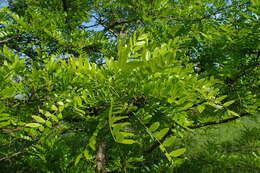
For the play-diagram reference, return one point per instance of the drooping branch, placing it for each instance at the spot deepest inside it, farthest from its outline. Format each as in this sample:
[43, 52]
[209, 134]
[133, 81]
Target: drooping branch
[155, 145]
[219, 121]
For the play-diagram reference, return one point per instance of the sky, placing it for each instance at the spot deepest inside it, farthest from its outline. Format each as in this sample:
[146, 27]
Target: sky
[92, 21]
[3, 3]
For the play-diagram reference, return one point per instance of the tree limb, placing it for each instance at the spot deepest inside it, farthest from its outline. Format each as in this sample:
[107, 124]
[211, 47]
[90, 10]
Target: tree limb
[155, 145]
[12, 155]
[219, 121]
[111, 26]
[12, 130]
[6, 40]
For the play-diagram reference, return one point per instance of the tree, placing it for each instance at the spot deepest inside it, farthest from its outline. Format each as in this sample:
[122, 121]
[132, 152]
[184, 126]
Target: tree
[119, 86]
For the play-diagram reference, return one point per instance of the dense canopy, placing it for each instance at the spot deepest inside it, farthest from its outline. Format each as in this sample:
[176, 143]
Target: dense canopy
[129, 86]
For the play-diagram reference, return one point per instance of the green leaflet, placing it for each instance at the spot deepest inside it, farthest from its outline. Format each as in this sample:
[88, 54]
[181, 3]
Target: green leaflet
[46, 114]
[117, 118]
[178, 152]
[78, 159]
[127, 141]
[54, 118]
[219, 99]
[5, 123]
[160, 134]
[118, 126]
[88, 156]
[48, 124]
[33, 125]
[54, 108]
[154, 126]
[4, 116]
[119, 129]
[38, 119]
[41, 128]
[201, 108]
[228, 103]
[232, 113]
[169, 141]
[59, 116]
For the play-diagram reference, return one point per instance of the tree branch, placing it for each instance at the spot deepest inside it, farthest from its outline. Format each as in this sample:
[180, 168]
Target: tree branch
[155, 145]
[12, 155]
[12, 130]
[6, 40]
[111, 26]
[219, 121]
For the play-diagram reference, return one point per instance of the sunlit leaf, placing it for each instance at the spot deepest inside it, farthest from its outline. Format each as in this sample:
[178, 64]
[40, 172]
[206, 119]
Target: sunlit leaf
[201, 108]
[161, 133]
[33, 125]
[38, 119]
[169, 141]
[178, 152]
[228, 103]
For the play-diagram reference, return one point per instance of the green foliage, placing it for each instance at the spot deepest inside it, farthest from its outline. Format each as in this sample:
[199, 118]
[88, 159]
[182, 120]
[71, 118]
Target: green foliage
[126, 96]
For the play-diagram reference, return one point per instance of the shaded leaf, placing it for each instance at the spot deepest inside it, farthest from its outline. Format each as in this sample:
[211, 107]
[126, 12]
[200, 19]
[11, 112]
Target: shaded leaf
[154, 127]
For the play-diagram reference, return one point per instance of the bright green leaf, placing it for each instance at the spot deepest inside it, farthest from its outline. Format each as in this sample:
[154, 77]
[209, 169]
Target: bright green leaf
[48, 124]
[54, 108]
[41, 128]
[178, 152]
[228, 103]
[128, 141]
[54, 118]
[233, 113]
[38, 119]
[219, 99]
[33, 125]
[159, 135]
[59, 116]
[201, 108]
[78, 159]
[169, 141]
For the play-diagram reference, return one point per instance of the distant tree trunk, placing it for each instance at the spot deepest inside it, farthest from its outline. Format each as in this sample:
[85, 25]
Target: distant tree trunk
[100, 158]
